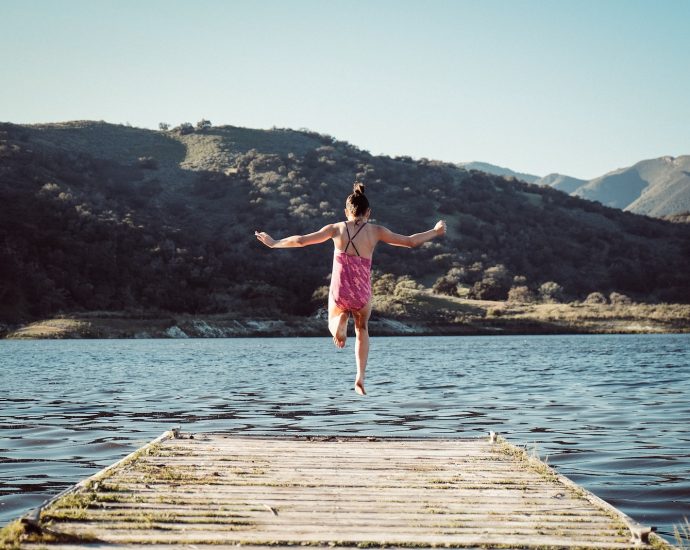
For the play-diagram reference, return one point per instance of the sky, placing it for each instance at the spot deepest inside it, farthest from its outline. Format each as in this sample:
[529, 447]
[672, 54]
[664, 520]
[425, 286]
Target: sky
[580, 87]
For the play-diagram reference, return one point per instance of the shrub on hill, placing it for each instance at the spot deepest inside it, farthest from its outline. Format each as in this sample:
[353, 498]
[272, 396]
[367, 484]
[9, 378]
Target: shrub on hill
[596, 298]
[148, 163]
[521, 295]
[617, 298]
[184, 128]
[550, 291]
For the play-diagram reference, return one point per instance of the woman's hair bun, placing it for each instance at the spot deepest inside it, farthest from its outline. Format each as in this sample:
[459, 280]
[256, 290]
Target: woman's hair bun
[357, 202]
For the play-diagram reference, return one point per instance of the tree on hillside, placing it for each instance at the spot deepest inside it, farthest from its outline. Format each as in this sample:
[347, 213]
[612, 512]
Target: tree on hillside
[595, 298]
[494, 285]
[148, 163]
[185, 128]
[616, 298]
[551, 291]
[521, 294]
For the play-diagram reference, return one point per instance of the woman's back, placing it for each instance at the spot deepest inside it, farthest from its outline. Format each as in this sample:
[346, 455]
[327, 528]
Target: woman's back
[361, 235]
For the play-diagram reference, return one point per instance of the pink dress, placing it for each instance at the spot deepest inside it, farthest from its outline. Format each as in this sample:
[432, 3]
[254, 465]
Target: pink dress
[351, 277]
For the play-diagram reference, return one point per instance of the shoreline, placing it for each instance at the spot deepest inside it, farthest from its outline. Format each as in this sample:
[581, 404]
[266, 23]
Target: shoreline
[467, 318]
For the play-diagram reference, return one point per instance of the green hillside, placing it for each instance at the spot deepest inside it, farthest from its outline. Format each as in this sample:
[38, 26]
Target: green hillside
[95, 216]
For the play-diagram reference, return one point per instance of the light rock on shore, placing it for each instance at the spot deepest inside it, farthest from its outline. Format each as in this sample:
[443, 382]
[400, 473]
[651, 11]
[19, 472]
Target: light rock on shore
[175, 332]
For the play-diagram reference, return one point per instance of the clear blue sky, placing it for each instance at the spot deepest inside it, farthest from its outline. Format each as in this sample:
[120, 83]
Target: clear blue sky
[579, 87]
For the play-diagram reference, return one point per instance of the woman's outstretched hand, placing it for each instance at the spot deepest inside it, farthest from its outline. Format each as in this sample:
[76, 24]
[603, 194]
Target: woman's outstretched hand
[440, 227]
[265, 238]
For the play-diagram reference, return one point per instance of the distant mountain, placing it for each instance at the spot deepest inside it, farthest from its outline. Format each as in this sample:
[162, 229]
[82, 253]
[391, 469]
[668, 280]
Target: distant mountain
[104, 217]
[655, 187]
[561, 182]
[498, 170]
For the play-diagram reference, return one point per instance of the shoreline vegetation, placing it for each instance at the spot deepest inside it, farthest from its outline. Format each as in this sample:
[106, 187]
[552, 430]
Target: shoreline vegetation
[420, 313]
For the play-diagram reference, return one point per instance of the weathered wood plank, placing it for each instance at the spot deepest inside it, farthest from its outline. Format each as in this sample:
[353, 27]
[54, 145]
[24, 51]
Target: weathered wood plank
[220, 489]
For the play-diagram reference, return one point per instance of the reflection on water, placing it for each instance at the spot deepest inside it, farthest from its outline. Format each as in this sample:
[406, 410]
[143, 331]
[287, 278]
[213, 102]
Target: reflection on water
[611, 412]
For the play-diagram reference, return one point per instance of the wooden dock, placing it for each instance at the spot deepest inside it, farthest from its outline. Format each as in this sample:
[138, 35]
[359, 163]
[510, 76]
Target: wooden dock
[229, 490]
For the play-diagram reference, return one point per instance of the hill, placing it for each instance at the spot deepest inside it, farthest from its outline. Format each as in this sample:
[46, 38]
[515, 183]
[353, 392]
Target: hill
[655, 187]
[567, 184]
[95, 216]
[498, 170]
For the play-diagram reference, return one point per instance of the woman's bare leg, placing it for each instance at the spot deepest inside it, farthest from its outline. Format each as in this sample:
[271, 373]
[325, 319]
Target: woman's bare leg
[361, 345]
[337, 323]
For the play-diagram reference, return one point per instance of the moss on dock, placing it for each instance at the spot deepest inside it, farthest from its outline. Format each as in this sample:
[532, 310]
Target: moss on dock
[11, 535]
[17, 533]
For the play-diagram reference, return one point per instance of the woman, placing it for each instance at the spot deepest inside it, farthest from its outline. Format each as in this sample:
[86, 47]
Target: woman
[350, 292]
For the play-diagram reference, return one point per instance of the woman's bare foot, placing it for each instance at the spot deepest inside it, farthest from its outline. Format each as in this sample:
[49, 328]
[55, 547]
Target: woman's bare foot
[359, 387]
[339, 338]
[340, 335]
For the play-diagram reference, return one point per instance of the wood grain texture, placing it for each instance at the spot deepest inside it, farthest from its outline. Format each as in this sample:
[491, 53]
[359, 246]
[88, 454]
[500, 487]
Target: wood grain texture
[224, 490]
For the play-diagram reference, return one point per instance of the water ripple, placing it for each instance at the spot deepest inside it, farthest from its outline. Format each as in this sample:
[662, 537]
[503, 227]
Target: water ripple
[611, 412]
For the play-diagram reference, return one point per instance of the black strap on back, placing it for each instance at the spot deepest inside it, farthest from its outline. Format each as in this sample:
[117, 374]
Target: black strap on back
[351, 239]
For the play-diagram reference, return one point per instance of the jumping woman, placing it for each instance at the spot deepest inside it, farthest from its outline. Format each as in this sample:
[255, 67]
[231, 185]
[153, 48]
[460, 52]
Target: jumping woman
[350, 292]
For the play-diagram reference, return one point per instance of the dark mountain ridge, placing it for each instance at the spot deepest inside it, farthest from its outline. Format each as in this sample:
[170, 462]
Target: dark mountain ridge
[96, 216]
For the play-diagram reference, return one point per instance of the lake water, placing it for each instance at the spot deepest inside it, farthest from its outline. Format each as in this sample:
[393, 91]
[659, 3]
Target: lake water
[611, 412]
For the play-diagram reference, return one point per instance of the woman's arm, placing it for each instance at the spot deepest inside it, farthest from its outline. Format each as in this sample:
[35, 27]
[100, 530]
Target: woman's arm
[323, 234]
[411, 241]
